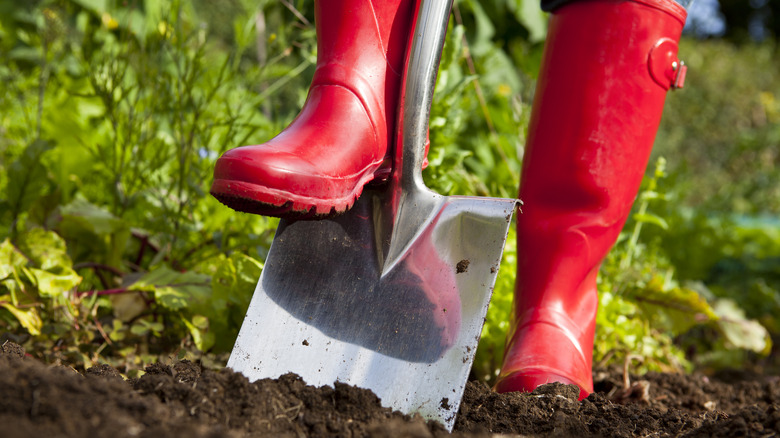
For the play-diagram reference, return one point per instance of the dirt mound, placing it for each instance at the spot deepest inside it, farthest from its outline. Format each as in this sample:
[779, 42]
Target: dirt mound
[187, 400]
[183, 400]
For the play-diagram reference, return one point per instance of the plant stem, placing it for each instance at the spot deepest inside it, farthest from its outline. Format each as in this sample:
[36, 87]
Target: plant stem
[632, 242]
[43, 79]
[107, 292]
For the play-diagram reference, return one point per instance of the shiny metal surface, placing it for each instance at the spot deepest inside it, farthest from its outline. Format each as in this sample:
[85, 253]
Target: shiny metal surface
[323, 308]
[411, 201]
[390, 296]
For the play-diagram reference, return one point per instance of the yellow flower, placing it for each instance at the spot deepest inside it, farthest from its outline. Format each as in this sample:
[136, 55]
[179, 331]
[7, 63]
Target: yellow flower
[164, 29]
[109, 21]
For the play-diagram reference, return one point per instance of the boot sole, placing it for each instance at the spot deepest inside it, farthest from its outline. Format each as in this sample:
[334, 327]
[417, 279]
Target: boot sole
[257, 199]
[529, 379]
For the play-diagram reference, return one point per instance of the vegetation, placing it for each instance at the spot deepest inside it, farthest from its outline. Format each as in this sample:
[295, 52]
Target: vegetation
[114, 112]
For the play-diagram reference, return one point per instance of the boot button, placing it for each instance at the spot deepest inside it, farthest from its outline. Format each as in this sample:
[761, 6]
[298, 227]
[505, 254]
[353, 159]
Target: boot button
[665, 68]
[680, 70]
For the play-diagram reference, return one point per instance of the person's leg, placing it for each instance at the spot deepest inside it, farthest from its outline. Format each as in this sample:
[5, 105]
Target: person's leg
[339, 142]
[605, 72]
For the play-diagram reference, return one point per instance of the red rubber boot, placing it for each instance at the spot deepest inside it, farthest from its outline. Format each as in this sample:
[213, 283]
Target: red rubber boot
[605, 72]
[339, 142]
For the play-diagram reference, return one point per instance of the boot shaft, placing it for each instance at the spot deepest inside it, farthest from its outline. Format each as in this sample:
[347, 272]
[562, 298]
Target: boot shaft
[361, 46]
[606, 69]
[598, 98]
[594, 120]
[349, 31]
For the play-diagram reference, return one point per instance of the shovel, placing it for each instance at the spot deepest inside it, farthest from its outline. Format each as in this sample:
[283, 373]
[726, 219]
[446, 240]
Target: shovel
[390, 296]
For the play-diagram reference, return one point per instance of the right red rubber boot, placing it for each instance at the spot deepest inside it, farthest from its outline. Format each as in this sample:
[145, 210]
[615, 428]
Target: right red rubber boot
[606, 69]
[340, 140]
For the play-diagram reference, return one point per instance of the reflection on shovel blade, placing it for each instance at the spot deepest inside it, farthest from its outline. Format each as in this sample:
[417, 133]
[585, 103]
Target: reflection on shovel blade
[324, 310]
[330, 278]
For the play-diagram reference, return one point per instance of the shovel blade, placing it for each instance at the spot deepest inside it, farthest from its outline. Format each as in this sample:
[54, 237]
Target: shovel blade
[325, 308]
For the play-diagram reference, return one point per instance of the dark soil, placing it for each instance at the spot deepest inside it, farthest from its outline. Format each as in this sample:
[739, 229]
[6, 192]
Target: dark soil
[184, 399]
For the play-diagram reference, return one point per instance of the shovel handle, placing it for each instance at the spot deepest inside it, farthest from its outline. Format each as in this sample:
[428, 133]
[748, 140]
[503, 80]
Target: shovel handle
[409, 202]
[422, 67]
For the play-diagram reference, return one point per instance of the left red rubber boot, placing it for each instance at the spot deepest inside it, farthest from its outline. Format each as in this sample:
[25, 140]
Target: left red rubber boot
[340, 141]
[605, 72]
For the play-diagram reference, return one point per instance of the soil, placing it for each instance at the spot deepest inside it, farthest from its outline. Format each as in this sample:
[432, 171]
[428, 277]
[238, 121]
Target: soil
[184, 399]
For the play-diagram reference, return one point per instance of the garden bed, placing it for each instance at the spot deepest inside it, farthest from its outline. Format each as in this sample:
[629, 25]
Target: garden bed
[184, 399]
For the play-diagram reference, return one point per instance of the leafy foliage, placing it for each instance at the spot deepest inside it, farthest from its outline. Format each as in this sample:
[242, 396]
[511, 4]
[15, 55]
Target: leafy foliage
[639, 278]
[114, 116]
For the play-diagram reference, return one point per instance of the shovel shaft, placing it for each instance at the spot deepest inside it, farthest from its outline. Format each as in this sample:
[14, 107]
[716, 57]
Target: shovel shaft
[417, 92]
[412, 204]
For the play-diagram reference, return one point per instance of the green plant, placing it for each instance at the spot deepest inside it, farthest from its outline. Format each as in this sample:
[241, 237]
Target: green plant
[722, 146]
[644, 310]
[113, 117]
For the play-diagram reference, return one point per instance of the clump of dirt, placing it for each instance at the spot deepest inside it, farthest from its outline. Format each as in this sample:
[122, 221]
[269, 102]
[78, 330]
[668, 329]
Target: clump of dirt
[184, 399]
[668, 405]
[11, 349]
[553, 410]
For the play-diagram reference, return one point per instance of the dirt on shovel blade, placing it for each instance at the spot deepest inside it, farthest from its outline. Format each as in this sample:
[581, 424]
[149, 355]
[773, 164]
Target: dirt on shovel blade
[188, 401]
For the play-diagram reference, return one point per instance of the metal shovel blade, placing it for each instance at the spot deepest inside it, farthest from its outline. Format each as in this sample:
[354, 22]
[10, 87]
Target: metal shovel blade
[323, 309]
[392, 295]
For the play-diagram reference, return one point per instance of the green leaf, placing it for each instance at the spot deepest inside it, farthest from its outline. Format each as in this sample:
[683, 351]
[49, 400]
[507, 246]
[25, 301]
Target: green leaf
[235, 279]
[174, 290]
[740, 331]
[651, 195]
[532, 18]
[117, 331]
[29, 319]
[29, 54]
[200, 322]
[143, 327]
[198, 328]
[247, 272]
[97, 6]
[483, 29]
[233, 282]
[173, 298]
[650, 218]
[46, 250]
[27, 177]
[10, 259]
[51, 269]
[450, 52]
[94, 232]
[675, 309]
[90, 217]
[51, 284]
[139, 329]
